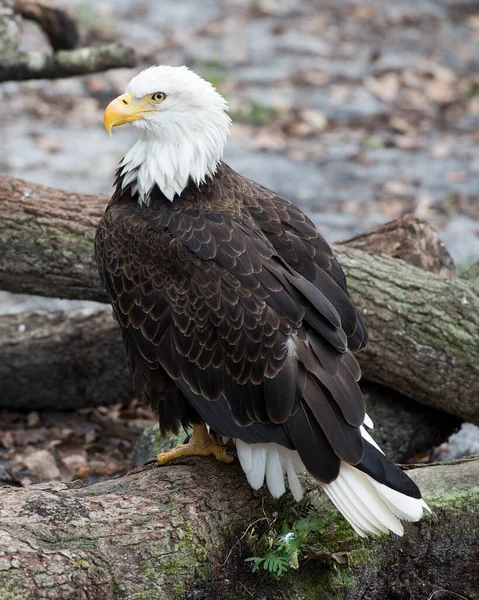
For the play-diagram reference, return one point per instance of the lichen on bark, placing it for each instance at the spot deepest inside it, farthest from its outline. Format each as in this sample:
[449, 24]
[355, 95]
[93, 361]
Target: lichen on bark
[171, 532]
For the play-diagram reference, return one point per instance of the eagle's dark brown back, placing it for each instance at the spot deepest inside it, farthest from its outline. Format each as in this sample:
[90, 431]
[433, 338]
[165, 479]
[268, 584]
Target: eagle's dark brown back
[211, 291]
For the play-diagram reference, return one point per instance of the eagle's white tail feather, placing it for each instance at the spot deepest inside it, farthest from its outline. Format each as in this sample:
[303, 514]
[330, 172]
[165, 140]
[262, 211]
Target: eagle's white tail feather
[404, 507]
[293, 481]
[361, 498]
[386, 505]
[274, 473]
[357, 521]
[361, 507]
[245, 455]
[271, 461]
[258, 466]
[369, 506]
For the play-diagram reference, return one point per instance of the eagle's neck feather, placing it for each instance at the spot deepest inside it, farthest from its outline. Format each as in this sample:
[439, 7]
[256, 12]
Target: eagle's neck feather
[172, 157]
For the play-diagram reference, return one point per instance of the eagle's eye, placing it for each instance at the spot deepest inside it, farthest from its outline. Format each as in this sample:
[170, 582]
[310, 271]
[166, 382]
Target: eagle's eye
[158, 97]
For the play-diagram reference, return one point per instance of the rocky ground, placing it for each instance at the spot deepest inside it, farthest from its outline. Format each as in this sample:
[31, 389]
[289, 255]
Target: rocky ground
[360, 111]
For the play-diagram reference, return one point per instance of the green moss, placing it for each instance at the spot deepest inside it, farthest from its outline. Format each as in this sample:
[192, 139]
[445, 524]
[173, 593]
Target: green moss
[461, 499]
[9, 590]
[186, 559]
[361, 556]
[318, 581]
[54, 243]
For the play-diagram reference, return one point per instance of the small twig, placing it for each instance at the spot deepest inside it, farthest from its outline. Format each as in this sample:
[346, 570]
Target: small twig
[264, 518]
[245, 589]
[448, 592]
[238, 541]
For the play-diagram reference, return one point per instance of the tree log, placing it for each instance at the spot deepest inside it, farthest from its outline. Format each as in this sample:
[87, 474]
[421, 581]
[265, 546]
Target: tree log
[423, 331]
[423, 327]
[410, 239]
[62, 360]
[181, 532]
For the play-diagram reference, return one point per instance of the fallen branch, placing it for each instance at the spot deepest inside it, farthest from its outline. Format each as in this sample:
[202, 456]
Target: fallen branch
[423, 327]
[410, 239]
[181, 529]
[62, 360]
[62, 33]
[57, 24]
[65, 63]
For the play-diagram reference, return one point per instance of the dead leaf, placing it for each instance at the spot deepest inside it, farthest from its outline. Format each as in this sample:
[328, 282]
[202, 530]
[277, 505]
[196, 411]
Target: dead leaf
[214, 29]
[441, 149]
[42, 464]
[83, 472]
[440, 91]
[103, 467]
[73, 456]
[269, 139]
[312, 77]
[395, 187]
[50, 143]
[6, 439]
[90, 436]
[407, 142]
[340, 557]
[340, 93]
[24, 437]
[386, 87]
[315, 119]
[456, 176]
[423, 206]
[33, 418]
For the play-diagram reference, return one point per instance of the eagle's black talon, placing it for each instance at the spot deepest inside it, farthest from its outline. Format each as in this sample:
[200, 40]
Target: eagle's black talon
[231, 452]
[151, 461]
[187, 438]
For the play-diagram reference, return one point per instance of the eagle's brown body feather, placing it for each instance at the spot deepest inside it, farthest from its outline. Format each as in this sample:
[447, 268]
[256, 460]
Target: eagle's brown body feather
[208, 289]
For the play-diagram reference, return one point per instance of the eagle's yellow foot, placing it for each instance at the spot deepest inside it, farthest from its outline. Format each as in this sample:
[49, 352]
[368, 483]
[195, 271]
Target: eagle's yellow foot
[200, 444]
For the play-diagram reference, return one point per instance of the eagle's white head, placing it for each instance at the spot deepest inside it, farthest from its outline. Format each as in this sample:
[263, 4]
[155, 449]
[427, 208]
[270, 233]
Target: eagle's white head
[183, 125]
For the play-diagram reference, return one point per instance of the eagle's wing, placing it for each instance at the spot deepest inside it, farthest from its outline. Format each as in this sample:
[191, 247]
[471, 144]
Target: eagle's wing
[298, 242]
[255, 348]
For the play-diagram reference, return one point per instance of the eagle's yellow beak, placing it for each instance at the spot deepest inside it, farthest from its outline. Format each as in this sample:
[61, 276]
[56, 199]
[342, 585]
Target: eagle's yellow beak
[124, 109]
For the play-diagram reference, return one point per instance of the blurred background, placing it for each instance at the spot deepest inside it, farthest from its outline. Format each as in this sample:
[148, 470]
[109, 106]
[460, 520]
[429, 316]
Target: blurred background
[358, 110]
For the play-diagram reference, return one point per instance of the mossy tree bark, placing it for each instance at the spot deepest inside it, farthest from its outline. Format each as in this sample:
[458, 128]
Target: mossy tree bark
[61, 30]
[423, 327]
[70, 359]
[177, 532]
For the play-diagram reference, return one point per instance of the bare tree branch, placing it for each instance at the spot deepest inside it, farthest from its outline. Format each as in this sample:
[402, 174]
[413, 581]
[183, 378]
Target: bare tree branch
[65, 63]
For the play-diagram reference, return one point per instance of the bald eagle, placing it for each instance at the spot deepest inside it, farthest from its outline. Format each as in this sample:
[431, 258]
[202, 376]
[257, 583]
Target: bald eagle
[235, 312]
